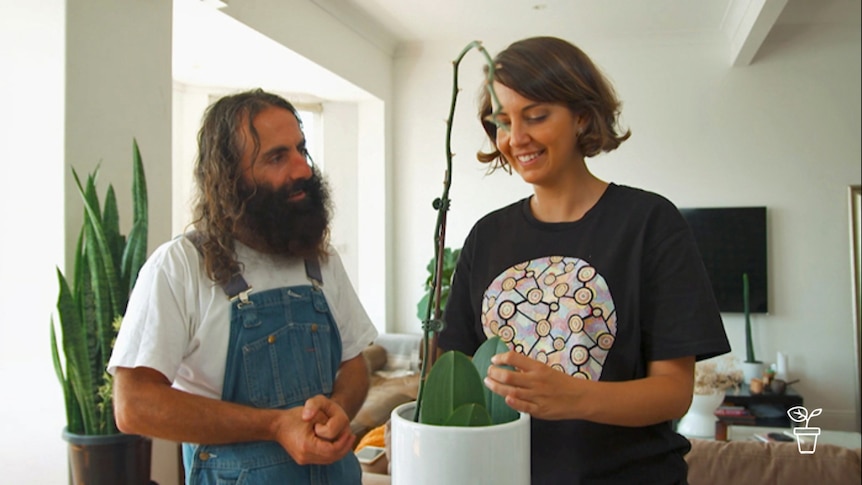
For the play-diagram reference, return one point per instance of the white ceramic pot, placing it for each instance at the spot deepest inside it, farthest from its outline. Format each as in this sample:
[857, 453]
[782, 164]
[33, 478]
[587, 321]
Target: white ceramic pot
[752, 370]
[423, 454]
[699, 421]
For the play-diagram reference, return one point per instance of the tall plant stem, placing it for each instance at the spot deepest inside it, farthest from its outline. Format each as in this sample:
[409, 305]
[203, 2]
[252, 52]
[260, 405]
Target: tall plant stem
[431, 327]
[749, 344]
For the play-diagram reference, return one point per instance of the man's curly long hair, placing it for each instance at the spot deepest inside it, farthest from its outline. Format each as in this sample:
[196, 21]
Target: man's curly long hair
[218, 208]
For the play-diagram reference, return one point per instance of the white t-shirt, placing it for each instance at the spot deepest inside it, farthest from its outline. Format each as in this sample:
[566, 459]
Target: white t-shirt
[178, 320]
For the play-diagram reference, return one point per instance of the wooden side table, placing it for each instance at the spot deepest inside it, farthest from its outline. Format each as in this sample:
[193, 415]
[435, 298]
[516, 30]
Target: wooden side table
[769, 409]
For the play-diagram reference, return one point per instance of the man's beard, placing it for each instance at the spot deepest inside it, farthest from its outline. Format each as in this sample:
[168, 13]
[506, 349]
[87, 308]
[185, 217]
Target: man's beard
[285, 227]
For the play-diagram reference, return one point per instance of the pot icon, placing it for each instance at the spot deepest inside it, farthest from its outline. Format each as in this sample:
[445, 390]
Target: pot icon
[806, 439]
[806, 436]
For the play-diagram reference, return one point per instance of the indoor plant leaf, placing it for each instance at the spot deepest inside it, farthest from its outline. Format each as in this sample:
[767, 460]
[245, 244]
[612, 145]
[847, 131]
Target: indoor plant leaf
[499, 411]
[105, 268]
[78, 344]
[450, 260]
[77, 353]
[470, 414]
[452, 382]
[134, 256]
[111, 225]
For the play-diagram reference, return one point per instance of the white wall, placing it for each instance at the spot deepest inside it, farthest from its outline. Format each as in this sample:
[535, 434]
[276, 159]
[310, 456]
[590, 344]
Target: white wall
[373, 216]
[31, 203]
[344, 50]
[340, 135]
[116, 86]
[782, 132]
[189, 104]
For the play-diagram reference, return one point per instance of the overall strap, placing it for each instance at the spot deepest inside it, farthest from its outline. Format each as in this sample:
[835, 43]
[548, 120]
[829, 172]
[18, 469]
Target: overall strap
[236, 287]
[312, 271]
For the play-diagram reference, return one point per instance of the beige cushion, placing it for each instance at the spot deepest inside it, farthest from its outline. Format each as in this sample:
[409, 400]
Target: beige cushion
[739, 462]
[384, 395]
[375, 357]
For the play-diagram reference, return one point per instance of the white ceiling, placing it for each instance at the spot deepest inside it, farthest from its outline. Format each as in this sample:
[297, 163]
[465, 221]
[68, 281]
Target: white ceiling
[214, 50]
[419, 20]
[424, 20]
[211, 48]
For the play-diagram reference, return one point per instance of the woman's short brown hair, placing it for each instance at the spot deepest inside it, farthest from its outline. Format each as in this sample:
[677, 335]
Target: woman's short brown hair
[551, 70]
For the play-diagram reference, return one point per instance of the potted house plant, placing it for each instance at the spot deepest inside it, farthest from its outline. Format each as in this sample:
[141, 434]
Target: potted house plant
[751, 367]
[449, 259]
[462, 427]
[90, 307]
[456, 426]
[711, 382]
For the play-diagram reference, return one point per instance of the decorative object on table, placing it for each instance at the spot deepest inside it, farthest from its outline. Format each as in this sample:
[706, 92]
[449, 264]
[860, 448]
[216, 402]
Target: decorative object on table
[781, 366]
[751, 368]
[90, 310]
[779, 386]
[710, 384]
[758, 385]
[755, 386]
[453, 419]
[768, 375]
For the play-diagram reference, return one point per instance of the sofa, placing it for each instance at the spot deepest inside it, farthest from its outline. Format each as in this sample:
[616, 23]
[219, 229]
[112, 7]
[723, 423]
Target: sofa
[741, 462]
[394, 360]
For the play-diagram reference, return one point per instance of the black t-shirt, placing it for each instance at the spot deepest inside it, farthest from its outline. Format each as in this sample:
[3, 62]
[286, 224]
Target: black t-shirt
[597, 298]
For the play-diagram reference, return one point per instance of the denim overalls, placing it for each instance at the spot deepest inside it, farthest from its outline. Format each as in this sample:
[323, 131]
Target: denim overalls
[284, 348]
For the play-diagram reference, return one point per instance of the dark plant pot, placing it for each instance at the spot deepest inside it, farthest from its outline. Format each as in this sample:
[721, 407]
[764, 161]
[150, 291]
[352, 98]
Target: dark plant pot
[109, 459]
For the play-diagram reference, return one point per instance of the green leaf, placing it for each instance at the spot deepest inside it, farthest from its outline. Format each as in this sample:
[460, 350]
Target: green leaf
[498, 409]
[452, 382]
[422, 306]
[469, 415]
[77, 360]
[134, 256]
[105, 269]
[450, 260]
[135, 252]
[139, 185]
[68, 393]
[111, 225]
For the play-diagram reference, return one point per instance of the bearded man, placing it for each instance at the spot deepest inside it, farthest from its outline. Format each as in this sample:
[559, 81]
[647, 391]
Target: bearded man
[242, 338]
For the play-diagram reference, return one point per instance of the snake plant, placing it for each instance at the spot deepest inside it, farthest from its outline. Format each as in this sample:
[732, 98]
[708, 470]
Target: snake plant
[90, 306]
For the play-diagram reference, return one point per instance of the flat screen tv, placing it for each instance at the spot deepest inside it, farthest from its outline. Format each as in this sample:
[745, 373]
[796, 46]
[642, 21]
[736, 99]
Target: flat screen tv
[732, 241]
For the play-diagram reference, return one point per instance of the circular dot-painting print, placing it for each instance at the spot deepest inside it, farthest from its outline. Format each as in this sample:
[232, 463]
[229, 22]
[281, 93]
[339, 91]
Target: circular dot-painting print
[557, 310]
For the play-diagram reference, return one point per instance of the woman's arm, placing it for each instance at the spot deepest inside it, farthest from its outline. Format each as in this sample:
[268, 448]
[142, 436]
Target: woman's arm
[533, 387]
